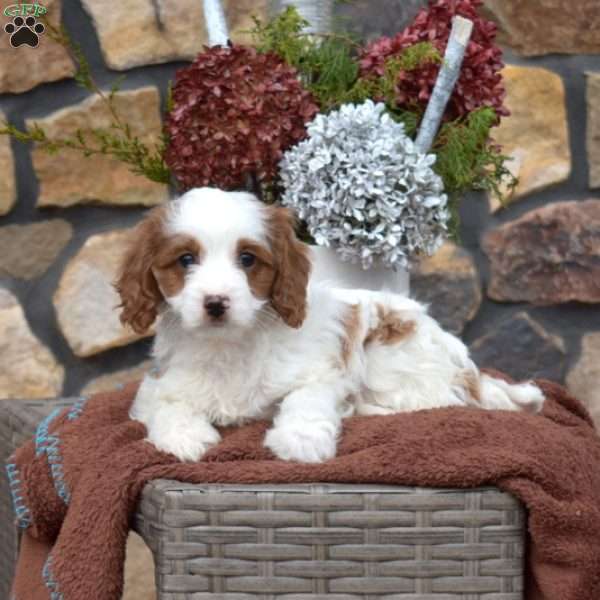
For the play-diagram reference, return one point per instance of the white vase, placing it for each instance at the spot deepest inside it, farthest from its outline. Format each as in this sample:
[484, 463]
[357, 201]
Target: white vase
[327, 264]
[329, 267]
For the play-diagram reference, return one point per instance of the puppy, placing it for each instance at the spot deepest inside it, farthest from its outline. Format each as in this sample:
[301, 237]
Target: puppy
[242, 334]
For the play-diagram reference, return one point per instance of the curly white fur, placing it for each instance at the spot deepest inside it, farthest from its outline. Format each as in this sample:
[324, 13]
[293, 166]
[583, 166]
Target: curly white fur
[357, 352]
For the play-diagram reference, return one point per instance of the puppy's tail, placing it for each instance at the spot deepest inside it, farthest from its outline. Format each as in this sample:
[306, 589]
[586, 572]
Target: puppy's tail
[497, 394]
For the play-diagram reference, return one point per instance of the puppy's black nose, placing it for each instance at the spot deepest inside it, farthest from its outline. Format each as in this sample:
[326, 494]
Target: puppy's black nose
[216, 306]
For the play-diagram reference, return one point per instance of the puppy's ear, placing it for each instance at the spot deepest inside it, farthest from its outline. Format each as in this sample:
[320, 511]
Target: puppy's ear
[140, 294]
[292, 264]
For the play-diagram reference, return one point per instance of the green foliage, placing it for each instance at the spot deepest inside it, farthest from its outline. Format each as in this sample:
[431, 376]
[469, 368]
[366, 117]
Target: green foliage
[410, 120]
[326, 63]
[128, 149]
[283, 36]
[334, 71]
[83, 76]
[117, 141]
[115, 86]
[414, 57]
[468, 160]
[384, 88]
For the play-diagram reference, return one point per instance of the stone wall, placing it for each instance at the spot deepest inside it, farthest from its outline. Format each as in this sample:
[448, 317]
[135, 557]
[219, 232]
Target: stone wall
[523, 289]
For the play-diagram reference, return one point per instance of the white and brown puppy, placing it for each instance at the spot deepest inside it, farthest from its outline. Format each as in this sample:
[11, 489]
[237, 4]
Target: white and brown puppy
[243, 335]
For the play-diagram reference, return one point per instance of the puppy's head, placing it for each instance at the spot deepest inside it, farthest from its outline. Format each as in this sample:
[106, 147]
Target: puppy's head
[216, 259]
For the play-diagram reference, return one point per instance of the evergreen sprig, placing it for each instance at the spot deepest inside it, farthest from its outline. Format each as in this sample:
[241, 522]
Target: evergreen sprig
[130, 150]
[467, 159]
[118, 141]
[328, 65]
[384, 88]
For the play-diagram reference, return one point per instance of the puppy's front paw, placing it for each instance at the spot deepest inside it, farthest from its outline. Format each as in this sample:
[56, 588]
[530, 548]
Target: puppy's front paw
[187, 441]
[528, 397]
[308, 442]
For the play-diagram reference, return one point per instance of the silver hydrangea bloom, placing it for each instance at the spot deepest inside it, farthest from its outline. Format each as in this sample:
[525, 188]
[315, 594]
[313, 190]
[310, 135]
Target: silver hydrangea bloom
[363, 188]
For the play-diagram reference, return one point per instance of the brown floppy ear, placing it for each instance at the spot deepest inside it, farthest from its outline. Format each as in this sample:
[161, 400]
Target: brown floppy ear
[292, 264]
[140, 294]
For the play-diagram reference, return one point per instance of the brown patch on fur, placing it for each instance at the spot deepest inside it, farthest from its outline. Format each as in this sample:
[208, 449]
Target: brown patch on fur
[136, 284]
[261, 275]
[169, 274]
[150, 269]
[351, 323]
[391, 328]
[470, 382]
[292, 267]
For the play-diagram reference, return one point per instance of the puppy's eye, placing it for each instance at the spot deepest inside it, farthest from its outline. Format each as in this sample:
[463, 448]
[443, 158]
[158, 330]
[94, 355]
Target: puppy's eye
[186, 260]
[247, 259]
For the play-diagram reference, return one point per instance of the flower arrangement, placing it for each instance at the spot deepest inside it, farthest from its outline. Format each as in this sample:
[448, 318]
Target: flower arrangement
[362, 186]
[480, 82]
[327, 126]
[235, 111]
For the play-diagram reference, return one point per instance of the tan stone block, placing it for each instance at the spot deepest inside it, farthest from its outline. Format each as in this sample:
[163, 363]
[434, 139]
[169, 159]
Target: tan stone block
[593, 128]
[143, 32]
[107, 383]
[536, 27]
[23, 68]
[139, 570]
[27, 368]
[550, 255]
[240, 15]
[583, 380]
[536, 134]
[68, 178]
[27, 251]
[8, 186]
[86, 301]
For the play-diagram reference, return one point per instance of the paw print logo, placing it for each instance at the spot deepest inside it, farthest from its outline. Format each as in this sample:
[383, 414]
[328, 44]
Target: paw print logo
[24, 31]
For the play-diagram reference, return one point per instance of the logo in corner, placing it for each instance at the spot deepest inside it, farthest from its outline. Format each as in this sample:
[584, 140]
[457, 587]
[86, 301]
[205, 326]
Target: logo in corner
[24, 29]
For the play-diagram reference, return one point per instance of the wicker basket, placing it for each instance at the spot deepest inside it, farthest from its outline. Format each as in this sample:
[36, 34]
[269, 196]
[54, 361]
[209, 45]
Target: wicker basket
[244, 542]
[227, 542]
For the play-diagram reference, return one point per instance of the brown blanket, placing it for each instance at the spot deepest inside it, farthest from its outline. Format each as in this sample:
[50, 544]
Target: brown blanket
[75, 486]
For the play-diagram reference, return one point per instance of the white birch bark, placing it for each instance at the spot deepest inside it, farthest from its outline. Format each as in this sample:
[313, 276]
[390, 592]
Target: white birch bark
[216, 23]
[444, 85]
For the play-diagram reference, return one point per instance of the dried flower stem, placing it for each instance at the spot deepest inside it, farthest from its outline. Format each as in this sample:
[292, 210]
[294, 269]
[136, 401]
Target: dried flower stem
[444, 85]
[216, 23]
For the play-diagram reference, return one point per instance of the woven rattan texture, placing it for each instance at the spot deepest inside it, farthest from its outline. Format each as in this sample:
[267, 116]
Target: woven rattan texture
[345, 541]
[18, 422]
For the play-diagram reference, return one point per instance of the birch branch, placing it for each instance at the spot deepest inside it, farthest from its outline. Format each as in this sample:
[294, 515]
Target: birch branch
[216, 23]
[444, 85]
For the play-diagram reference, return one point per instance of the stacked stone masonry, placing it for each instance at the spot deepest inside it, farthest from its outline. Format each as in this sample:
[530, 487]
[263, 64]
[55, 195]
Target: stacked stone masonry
[541, 249]
[522, 288]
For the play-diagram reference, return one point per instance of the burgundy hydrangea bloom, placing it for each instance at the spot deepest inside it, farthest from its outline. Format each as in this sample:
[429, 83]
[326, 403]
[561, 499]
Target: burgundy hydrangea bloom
[480, 83]
[235, 112]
